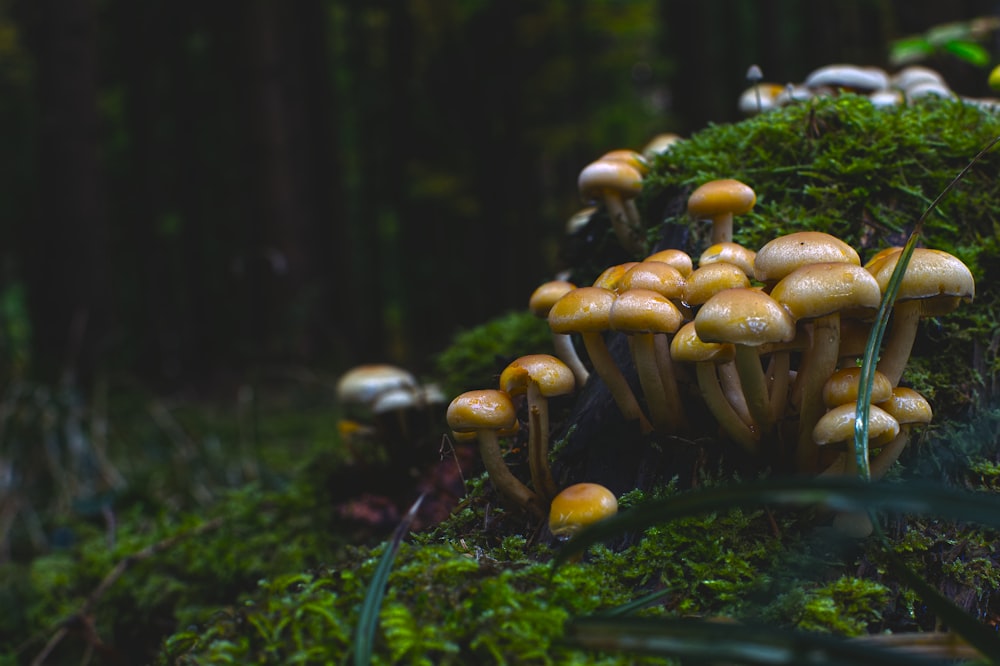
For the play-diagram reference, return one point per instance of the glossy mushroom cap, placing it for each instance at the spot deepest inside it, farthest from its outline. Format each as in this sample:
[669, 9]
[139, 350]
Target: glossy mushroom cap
[710, 279]
[550, 375]
[677, 258]
[602, 176]
[718, 197]
[686, 346]
[815, 290]
[782, 255]
[578, 506]
[842, 387]
[907, 406]
[937, 276]
[745, 317]
[581, 310]
[546, 294]
[612, 275]
[656, 276]
[483, 409]
[730, 253]
[837, 425]
[644, 311]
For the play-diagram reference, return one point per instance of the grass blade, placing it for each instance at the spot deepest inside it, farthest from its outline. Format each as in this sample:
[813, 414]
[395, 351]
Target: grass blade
[717, 643]
[868, 364]
[364, 635]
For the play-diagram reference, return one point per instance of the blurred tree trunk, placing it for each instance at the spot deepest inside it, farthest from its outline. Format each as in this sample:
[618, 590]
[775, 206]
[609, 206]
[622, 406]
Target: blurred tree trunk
[66, 268]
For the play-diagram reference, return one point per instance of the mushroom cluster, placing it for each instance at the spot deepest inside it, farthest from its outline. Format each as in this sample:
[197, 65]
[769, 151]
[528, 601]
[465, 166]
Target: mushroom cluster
[754, 338]
[882, 88]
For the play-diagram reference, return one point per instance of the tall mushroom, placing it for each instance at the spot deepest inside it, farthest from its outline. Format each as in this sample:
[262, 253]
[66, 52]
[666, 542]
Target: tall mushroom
[719, 201]
[485, 412]
[540, 302]
[613, 182]
[748, 318]
[586, 310]
[934, 283]
[539, 377]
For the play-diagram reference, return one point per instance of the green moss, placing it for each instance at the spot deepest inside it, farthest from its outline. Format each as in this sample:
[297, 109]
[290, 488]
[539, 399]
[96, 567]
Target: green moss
[846, 606]
[476, 357]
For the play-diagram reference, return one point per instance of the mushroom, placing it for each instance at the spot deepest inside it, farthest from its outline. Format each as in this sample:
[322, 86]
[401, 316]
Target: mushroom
[659, 144]
[782, 255]
[539, 377]
[646, 316]
[747, 318]
[934, 284]
[909, 408]
[540, 302]
[852, 78]
[613, 182]
[719, 200]
[819, 293]
[586, 311]
[730, 253]
[485, 412]
[578, 506]
[687, 347]
[358, 388]
[679, 259]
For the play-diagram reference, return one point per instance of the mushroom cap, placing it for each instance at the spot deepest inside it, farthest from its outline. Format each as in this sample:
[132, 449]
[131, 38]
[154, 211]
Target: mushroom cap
[629, 157]
[767, 93]
[907, 406]
[837, 425]
[578, 506]
[710, 279]
[660, 143]
[782, 255]
[579, 220]
[928, 89]
[730, 253]
[397, 399]
[933, 275]
[842, 387]
[362, 384]
[815, 290]
[865, 79]
[744, 316]
[644, 311]
[679, 259]
[914, 74]
[687, 347]
[603, 176]
[612, 275]
[552, 376]
[718, 197]
[546, 295]
[655, 275]
[585, 309]
[483, 409]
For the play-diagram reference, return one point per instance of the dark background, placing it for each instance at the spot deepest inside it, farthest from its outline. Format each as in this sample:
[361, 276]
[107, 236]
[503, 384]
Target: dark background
[190, 190]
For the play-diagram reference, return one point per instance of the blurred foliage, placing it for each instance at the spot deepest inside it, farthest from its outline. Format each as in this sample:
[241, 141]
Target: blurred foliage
[962, 40]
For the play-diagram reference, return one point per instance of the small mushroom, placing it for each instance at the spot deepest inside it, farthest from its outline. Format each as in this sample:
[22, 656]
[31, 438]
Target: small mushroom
[485, 412]
[614, 182]
[540, 302]
[578, 506]
[539, 377]
[719, 200]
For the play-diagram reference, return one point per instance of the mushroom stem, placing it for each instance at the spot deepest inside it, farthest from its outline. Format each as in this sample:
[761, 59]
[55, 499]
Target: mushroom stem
[722, 410]
[896, 352]
[661, 414]
[562, 343]
[625, 227]
[730, 382]
[605, 367]
[505, 482]
[722, 228]
[777, 378]
[754, 384]
[538, 443]
[889, 453]
[668, 377]
[818, 363]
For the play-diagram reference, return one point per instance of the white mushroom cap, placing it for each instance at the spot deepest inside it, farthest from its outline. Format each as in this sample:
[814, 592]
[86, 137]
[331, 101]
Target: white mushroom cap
[863, 79]
[362, 384]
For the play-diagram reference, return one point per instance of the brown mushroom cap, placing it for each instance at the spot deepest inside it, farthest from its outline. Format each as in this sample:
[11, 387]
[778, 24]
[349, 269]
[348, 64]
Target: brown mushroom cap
[719, 197]
[546, 294]
[782, 255]
[656, 276]
[815, 290]
[578, 506]
[484, 409]
[730, 253]
[930, 274]
[710, 279]
[581, 310]
[612, 275]
[550, 375]
[907, 406]
[837, 425]
[842, 387]
[687, 347]
[602, 176]
[644, 311]
[744, 316]
[677, 258]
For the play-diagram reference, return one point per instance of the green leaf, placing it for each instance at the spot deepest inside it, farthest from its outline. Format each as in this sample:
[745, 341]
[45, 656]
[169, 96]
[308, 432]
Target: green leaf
[912, 49]
[970, 52]
[364, 636]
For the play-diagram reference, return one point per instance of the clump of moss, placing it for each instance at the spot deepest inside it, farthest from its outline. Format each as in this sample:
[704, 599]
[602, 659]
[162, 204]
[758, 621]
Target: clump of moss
[476, 356]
